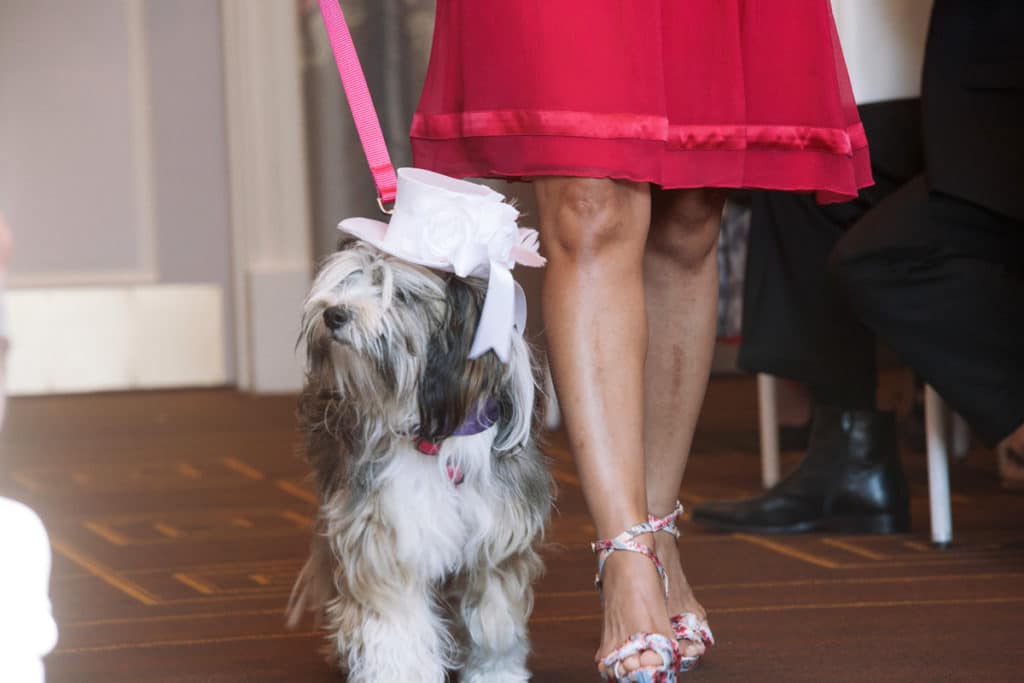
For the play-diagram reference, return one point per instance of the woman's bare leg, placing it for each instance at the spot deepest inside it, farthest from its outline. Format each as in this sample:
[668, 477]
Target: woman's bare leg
[594, 231]
[681, 279]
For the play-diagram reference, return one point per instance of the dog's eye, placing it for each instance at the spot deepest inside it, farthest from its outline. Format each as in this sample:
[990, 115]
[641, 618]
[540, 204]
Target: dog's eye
[352, 277]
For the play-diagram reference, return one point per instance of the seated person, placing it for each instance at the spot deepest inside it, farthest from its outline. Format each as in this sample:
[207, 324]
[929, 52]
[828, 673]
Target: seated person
[930, 263]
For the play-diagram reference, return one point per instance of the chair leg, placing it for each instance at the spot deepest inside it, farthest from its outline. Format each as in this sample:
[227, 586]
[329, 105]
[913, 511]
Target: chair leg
[938, 469]
[552, 411]
[769, 427]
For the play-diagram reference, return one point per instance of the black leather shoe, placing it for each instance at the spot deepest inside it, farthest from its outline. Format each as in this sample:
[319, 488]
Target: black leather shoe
[850, 481]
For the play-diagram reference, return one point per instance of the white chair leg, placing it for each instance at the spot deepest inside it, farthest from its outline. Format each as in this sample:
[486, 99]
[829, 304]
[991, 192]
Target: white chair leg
[769, 427]
[938, 468]
[960, 436]
[552, 412]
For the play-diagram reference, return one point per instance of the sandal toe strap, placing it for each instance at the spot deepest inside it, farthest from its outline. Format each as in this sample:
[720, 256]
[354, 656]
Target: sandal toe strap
[689, 627]
[637, 643]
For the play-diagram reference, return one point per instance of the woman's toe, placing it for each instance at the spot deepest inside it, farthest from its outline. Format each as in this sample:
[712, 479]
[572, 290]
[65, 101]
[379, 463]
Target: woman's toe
[689, 648]
[649, 659]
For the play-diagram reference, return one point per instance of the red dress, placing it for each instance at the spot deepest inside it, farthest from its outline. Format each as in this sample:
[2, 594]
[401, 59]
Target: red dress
[679, 93]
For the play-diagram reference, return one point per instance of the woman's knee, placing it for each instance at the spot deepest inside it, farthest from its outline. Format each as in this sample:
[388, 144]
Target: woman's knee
[686, 224]
[583, 217]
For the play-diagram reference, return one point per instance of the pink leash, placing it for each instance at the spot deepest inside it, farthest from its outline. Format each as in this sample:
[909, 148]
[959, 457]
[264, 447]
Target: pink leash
[360, 102]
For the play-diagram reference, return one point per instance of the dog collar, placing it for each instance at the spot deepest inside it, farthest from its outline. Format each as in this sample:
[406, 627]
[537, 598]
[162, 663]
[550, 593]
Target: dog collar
[479, 421]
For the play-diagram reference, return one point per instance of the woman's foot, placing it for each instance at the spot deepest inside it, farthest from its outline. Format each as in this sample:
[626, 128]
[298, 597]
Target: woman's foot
[634, 601]
[680, 596]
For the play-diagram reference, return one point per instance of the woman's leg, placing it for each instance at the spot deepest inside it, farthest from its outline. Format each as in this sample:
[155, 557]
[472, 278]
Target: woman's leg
[681, 282]
[594, 231]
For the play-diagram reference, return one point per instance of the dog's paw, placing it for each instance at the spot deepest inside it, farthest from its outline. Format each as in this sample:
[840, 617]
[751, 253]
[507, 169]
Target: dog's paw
[491, 675]
[433, 676]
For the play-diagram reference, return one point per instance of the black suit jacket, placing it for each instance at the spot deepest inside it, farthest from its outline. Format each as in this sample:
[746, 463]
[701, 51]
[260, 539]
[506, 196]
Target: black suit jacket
[972, 100]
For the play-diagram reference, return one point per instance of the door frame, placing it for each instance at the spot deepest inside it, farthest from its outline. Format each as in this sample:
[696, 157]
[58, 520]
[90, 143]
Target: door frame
[270, 211]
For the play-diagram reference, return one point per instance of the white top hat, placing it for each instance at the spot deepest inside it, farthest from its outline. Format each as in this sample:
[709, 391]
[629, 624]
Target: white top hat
[464, 228]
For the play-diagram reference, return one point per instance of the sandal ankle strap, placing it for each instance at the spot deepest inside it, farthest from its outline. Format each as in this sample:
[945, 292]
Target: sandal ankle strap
[668, 522]
[626, 542]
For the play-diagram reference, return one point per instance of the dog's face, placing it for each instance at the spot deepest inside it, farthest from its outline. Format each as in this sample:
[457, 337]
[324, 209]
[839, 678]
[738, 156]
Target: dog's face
[367, 322]
[362, 298]
[390, 341]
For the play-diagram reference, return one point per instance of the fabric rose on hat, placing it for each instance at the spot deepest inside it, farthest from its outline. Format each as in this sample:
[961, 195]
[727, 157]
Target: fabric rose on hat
[469, 233]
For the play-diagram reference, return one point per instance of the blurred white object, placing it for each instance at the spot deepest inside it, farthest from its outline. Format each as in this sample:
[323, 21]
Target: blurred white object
[5, 258]
[27, 629]
[938, 468]
[552, 412]
[4, 344]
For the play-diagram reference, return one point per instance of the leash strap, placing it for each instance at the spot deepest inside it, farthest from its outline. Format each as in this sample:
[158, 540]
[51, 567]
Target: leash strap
[360, 102]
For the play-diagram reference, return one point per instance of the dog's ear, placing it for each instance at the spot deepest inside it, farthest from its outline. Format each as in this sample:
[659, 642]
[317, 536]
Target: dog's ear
[453, 385]
[346, 241]
[329, 423]
[517, 412]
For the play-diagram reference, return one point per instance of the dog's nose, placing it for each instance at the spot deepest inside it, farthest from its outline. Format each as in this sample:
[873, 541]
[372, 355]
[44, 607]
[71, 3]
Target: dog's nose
[336, 316]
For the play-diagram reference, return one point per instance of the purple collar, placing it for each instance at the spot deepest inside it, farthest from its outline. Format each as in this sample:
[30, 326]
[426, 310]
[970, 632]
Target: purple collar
[477, 422]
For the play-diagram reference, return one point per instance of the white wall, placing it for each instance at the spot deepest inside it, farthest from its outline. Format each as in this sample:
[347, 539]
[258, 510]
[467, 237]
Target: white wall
[883, 43]
[75, 172]
[114, 179]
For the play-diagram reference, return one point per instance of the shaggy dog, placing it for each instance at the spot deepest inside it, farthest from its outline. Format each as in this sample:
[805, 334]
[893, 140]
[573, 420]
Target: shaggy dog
[433, 496]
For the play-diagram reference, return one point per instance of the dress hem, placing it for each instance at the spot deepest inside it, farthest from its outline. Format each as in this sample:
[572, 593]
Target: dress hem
[645, 128]
[831, 177]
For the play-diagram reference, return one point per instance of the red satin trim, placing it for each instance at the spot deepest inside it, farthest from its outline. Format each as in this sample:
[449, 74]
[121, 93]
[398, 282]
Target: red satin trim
[637, 127]
[538, 122]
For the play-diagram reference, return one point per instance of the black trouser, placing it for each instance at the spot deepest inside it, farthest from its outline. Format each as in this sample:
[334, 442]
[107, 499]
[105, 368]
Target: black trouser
[941, 281]
[937, 279]
[796, 322]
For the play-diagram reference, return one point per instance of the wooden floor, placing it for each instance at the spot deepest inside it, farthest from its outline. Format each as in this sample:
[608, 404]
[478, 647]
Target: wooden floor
[178, 522]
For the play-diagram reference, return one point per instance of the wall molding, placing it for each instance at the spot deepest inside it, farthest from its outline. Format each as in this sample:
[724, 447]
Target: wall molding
[142, 136]
[270, 214]
[86, 339]
[70, 278]
[138, 98]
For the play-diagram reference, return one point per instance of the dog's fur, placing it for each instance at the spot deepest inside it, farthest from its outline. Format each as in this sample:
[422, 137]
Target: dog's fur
[413, 574]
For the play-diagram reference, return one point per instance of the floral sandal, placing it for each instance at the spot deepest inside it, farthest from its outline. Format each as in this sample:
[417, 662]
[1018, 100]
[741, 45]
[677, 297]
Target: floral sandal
[641, 641]
[686, 626]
